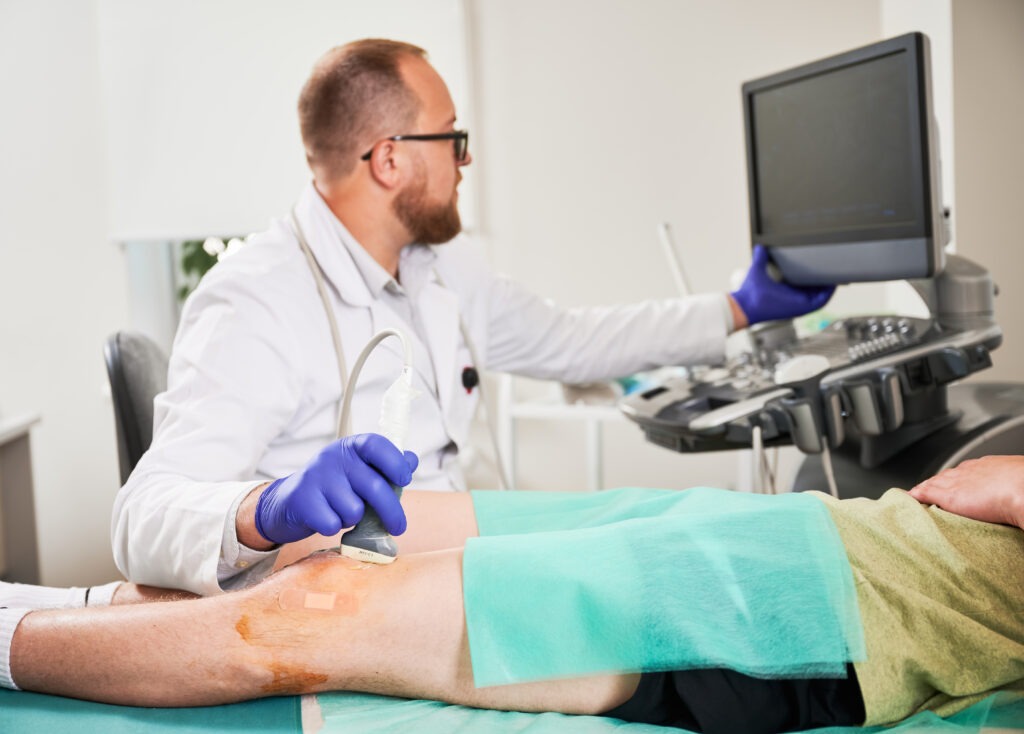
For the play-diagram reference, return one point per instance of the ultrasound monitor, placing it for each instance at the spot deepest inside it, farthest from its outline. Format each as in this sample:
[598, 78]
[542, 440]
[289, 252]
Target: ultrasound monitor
[842, 163]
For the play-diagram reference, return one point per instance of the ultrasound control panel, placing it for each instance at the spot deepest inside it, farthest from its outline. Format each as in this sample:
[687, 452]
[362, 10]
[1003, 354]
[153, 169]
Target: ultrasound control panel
[870, 370]
[842, 343]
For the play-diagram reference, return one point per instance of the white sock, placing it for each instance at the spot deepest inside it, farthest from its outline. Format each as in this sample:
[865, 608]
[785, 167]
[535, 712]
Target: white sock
[17, 600]
[9, 621]
[31, 596]
[101, 596]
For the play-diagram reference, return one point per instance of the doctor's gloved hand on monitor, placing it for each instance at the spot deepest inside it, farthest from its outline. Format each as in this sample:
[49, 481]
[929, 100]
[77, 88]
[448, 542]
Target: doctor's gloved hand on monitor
[763, 298]
[332, 491]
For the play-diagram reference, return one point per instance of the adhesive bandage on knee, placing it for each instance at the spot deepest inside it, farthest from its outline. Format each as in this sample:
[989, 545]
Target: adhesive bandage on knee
[324, 602]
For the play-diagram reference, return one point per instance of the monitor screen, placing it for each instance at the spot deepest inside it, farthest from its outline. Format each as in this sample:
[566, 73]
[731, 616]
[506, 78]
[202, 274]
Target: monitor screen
[842, 166]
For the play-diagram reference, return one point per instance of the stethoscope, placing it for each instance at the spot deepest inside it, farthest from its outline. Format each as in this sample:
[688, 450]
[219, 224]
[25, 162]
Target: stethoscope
[470, 377]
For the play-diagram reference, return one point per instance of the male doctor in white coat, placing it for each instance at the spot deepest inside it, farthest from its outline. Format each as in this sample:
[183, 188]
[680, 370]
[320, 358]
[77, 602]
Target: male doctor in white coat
[244, 456]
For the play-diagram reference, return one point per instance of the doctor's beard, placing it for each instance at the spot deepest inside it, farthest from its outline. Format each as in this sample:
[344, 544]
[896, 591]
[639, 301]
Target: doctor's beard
[428, 223]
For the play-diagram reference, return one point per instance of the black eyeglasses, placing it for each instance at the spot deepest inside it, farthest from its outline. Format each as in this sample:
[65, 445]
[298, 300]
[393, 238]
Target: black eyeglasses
[460, 139]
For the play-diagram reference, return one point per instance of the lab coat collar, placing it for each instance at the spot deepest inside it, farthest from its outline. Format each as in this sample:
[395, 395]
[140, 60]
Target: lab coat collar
[332, 246]
[357, 277]
[415, 268]
[374, 276]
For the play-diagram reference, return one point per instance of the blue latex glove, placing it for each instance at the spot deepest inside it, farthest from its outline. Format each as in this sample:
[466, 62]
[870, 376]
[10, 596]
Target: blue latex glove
[763, 298]
[332, 491]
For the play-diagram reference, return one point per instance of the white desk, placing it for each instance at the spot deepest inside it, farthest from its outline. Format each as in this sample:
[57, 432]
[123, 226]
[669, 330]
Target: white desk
[19, 551]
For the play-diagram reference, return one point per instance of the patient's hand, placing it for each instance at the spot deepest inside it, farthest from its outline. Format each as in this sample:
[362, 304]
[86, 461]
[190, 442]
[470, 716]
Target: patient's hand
[990, 489]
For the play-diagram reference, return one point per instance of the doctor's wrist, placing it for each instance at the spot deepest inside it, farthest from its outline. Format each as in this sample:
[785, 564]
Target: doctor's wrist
[739, 316]
[245, 521]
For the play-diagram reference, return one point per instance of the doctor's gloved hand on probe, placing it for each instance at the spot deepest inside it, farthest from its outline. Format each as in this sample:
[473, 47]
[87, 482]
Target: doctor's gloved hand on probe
[333, 490]
[763, 298]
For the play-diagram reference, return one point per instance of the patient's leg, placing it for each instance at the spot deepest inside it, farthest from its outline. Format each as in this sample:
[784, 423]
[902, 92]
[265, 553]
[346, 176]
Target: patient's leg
[396, 629]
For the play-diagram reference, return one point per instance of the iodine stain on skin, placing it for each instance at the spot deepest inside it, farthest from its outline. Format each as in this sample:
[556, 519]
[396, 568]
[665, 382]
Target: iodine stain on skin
[243, 628]
[292, 680]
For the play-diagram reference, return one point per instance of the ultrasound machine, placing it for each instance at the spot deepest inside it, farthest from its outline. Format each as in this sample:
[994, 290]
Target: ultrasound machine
[843, 176]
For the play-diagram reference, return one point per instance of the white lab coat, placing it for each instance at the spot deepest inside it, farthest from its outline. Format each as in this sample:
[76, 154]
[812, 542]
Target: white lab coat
[253, 383]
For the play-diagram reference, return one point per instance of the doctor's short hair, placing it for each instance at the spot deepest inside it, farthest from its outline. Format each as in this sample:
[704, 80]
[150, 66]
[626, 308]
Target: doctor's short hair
[354, 97]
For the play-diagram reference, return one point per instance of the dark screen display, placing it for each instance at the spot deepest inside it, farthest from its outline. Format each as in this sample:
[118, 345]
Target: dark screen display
[833, 152]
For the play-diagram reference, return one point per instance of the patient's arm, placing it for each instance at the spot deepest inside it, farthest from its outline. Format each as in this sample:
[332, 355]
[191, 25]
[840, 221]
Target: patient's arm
[990, 489]
[436, 520]
[397, 629]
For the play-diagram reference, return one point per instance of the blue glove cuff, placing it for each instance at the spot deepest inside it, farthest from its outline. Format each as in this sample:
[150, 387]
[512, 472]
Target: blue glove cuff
[264, 498]
[746, 306]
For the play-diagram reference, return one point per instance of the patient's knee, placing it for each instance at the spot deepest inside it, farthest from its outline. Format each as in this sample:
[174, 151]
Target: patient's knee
[323, 582]
[293, 621]
[327, 584]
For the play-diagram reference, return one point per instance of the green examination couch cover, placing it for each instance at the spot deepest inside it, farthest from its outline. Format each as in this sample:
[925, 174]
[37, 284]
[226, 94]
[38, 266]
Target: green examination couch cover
[357, 713]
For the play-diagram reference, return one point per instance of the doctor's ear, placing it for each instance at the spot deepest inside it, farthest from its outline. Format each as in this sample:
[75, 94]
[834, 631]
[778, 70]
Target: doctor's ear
[384, 164]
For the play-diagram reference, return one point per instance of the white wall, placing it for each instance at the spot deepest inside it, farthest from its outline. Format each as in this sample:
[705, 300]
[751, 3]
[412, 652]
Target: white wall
[201, 131]
[988, 81]
[592, 121]
[62, 286]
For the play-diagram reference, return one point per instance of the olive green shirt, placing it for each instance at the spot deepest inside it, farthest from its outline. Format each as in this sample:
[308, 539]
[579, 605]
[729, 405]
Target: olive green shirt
[942, 603]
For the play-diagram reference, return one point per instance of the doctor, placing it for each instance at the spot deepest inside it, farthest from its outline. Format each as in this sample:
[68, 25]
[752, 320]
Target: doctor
[254, 379]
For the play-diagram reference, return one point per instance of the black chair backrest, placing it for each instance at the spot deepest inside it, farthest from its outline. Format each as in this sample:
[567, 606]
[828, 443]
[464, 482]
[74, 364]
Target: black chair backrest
[137, 370]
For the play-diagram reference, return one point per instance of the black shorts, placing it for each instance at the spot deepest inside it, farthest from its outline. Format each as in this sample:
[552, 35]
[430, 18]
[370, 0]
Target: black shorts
[719, 701]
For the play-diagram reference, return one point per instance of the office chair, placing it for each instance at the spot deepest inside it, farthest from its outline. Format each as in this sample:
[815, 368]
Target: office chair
[137, 370]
